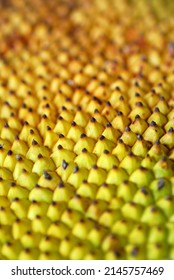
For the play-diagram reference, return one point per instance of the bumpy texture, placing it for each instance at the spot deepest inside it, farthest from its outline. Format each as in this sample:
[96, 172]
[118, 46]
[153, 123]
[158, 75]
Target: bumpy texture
[86, 129]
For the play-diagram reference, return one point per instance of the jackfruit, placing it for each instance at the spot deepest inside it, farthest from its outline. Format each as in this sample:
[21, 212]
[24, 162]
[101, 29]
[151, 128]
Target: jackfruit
[86, 129]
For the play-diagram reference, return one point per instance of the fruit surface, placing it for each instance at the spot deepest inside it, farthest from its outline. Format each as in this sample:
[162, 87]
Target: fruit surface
[86, 129]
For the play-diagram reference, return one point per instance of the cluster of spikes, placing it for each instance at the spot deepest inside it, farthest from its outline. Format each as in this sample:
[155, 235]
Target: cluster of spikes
[86, 130]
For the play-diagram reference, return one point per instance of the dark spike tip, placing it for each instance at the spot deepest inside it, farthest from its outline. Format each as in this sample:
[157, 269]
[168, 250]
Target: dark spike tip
[102, 137]
[34, 142]
[92, 119]
[76, 168]
[15, 199]
[31, 131]
[157, 142]
[18, 157]
[153, 209]
[61, 135]
[108, 124]
[152, 123]
[127, 129]
[142, 168]
[144, 190]
[95, 166]
[61, 185]
[139, 104]
[137, 117]
[26, 123]
[160, 183]
[156, 110]
[60, 147]
[64, 164]
[119, 113]
[73, 123]
[9, 153]
[139, 137]
[83, 135]
[121, 98]
[108, 103]
[171, 130]
[53, 203]
[120, 141]
[6, 125]
[40, 156]
[134, 252]
[164, 159]
[47, 176]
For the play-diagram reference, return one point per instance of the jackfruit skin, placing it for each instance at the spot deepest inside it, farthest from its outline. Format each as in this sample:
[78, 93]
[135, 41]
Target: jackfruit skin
[86, 130]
